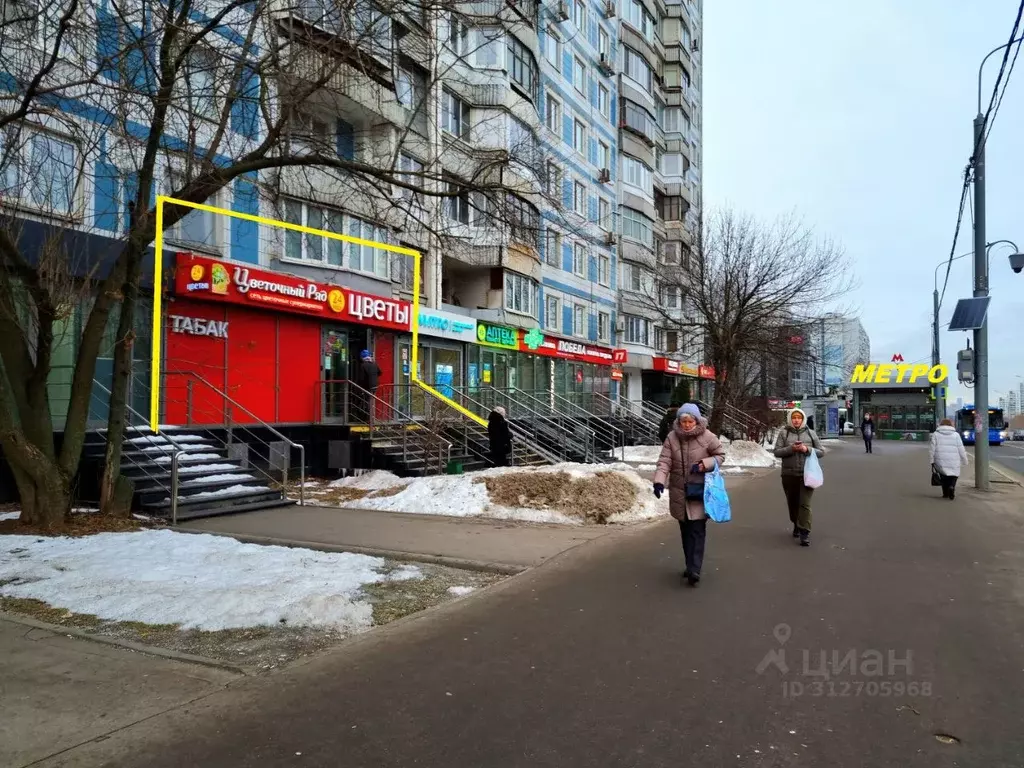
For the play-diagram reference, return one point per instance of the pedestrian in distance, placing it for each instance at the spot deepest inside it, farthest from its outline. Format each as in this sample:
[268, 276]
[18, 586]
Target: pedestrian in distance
[867, 431]
[500, 437]
[667, 421]
[795, 441]
[947, 454]
[689, 451]
[369, 372]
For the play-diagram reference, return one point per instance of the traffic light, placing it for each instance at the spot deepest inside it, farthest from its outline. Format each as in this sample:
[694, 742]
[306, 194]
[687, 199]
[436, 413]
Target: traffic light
[965, 365]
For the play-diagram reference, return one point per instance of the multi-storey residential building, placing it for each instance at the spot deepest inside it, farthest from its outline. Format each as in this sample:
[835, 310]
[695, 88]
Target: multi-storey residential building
[831, 347]
[1012, 404]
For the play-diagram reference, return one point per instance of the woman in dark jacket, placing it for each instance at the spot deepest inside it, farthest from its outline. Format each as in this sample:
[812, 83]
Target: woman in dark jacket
[867, 431]
[500, 437]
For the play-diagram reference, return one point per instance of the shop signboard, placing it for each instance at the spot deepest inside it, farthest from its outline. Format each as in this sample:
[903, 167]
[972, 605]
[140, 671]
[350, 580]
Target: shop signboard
[616, 374]
[667, 365]
[500, 336]
[620, 356]
[706, 371]
[446, 325]
[566, 349]
[200, 277]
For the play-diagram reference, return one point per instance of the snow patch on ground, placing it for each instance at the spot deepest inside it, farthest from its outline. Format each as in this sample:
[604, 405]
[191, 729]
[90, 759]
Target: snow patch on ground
[217, 479]
[733, 471]
[10, 515]
[646, 467]
[647, 454]
[155, 439]
[188, 456]
[231, 490]
[194, 580]
[460, 591]
[374, 480]
[744, 453]
[191, 469]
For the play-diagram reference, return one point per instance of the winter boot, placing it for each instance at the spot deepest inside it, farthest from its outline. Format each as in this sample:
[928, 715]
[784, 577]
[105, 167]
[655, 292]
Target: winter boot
[805, 538]
[796, 531]
[693, 579]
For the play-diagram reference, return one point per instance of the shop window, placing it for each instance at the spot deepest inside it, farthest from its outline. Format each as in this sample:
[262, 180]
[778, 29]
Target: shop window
[520, 294]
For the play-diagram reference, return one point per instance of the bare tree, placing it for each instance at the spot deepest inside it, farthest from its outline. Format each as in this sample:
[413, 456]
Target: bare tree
[746, 289]
[192, 99]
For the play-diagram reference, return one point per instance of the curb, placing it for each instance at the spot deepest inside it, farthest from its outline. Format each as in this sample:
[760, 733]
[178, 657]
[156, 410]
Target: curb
[1011, 476]
[149, 650]
[504, 569]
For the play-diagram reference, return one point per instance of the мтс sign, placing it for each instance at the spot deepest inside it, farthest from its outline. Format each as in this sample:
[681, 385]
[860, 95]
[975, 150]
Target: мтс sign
[898, 373]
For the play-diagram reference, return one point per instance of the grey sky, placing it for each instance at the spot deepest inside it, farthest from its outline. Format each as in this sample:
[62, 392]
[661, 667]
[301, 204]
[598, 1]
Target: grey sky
[858, 117]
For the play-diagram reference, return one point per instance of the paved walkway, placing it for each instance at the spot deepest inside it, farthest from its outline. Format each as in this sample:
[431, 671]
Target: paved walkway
[601, 658]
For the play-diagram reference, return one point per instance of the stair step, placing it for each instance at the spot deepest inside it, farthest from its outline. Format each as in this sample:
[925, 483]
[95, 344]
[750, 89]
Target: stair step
[194, 513]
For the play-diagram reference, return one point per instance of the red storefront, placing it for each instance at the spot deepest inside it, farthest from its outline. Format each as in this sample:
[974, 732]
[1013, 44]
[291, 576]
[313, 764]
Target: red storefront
[268, 340]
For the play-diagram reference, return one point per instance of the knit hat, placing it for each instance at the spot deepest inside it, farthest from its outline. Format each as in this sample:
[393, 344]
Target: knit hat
[365, 354]
[499, 410]
[688, 408]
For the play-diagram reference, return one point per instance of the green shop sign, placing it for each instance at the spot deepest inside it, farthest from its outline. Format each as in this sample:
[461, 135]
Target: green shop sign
[497, 336]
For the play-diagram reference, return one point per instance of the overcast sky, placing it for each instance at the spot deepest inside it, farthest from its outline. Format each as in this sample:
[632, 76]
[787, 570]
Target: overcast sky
[858, 117]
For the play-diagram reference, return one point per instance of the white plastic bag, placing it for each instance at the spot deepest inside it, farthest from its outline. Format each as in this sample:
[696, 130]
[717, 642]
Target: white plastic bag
[813, 477]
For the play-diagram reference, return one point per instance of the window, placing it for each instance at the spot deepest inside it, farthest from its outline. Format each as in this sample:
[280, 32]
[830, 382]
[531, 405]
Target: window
[672, 119]
[632, 276]
[579, 136]
[640, 19]
[553, 115]
[308, 133]
[371, 27]
[487, 47]
[604, 43]
[300, 246]
[458, 35]
[604, 155]
[454, 115]
[523, 219]
[638, 330]
[672, 341]
[409, 167]
[457, 205]
[637, 226]
[638, 120]
[553, 49]
[604, 213]
[579, 198]
[671, 297]
[522, 144]
[579, 259]
[579, 74]
[604, 101]
[671, 164]
[579, 320]
[201, 83]
[637, 174]
[521, 66]
[637, 69]
[197, 229]
[603, 325]
[684, 36]
[551, 312]
[672, 208]
[42, 172]
[604, 269]
[554, 180]
[520, 294]
[405, 89]
[553, 249]
[367, 258]
[579, 15]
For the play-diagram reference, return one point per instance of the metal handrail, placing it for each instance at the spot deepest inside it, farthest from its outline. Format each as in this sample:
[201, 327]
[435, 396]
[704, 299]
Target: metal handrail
[653, 410]
[610, 430]
[515, 395]
[648, 427]
[291, 443]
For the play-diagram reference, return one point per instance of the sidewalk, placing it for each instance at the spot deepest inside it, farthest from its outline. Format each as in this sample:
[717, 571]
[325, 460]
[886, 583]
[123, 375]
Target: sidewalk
[59, 692]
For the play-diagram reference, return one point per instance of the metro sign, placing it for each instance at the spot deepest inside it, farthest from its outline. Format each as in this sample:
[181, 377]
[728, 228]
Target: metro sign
[897, 358]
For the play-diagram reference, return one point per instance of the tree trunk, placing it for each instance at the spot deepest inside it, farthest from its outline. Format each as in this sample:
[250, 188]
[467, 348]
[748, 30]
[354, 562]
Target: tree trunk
[115, 490]
[44, 489]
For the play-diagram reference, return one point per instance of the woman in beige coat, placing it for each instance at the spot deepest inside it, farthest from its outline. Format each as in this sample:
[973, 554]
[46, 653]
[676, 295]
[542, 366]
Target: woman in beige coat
[689, 451]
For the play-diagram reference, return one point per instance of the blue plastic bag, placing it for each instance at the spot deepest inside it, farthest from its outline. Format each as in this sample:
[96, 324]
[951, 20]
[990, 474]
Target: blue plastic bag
[716, 500]
[813, 476]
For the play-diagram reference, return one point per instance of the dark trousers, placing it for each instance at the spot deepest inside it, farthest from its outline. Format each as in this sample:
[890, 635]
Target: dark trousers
[694, 533]
[948, 485]
[798, 499]
[867, 443]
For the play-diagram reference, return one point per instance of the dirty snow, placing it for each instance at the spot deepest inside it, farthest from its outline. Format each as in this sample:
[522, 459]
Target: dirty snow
[216, 479]
[646, 467]
[10, 515]
[374, 480]
[646, 454]
[194, 580]
[231, 490]
[744, 453]
[460, 591]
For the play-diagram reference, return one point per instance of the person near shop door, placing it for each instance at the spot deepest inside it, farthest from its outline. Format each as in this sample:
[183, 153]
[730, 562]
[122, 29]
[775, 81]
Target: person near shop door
[688, 452]
[500, 437]
[367, 377]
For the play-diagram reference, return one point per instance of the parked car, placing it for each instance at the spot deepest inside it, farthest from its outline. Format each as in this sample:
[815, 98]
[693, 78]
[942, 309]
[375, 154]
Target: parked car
[1018, 434]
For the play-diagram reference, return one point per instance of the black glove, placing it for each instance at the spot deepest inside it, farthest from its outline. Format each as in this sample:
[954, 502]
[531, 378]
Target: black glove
[658, 490]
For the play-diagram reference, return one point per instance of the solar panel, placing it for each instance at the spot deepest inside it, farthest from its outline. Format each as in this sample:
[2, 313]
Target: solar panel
[969, 314]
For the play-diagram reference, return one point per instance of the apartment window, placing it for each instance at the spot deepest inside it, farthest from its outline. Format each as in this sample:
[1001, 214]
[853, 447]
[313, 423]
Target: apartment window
[637, 69]
[604, 43]
[640, 19]
[487, 47]
[604, 155]
[410, 168]
[197, 229]
[684, 36]
[632, 277]
[579, 320]
[553, 49]
[553, 115]
[42, 172]
[522, 143]
[579, 15]
[638, 330]
[579, 74]
[457, 205]
[604, 269]
[371, 26]
[671, 297]
[672, 208]
[201, 83]
[553, 249]
[672, 119]
[637, 174]
[672, 341]
[454, 115]
[579, 135]
[579, 259]
[554, 180]
[405, 89]
[671, 164]
[458, 35]
[308, 133]
[638, 120]
[604, 101]
[521, 65]
[604, 213]
[551, 312]
[523, 220]
[603, 326]
[637, 226]
[579, 198]
[520, 294]
[300, 246]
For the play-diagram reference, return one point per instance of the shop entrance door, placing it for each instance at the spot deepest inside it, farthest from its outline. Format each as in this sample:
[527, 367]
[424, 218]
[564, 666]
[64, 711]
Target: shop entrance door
[334, 372]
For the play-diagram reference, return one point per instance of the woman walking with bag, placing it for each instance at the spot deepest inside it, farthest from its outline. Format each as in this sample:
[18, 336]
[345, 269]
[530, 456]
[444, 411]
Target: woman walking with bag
[793, 445]
[867, 431]
[689, 451]
[947, 455]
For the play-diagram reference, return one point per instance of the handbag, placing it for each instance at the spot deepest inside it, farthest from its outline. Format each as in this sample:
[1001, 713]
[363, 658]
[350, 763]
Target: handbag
[936, 476]
[694, 491]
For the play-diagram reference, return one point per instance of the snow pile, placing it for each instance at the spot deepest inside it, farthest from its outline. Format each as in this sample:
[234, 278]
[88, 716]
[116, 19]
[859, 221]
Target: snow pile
[10, 515]
[195, 581]
[744, 453]
[374, 480]
[645, 454]
[217, 479]
[460, 591]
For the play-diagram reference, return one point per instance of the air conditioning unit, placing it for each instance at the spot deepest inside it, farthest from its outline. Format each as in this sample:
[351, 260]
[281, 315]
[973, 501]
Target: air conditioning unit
[609, 8]
[606, 65]
[620, 325]
[563, 11]
[604, 175]
[609, 238]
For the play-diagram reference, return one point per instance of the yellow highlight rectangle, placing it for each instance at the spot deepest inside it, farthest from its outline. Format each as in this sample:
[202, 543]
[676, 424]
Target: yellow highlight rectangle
[158, 247]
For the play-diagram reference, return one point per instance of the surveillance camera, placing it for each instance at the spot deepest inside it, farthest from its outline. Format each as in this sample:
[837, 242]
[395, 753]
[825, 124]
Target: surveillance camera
[1017, 262]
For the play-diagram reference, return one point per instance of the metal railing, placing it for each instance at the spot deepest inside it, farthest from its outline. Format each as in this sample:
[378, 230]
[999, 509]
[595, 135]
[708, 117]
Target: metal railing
[604, 430]
[746, 426]
[224, 417]
[647, 427]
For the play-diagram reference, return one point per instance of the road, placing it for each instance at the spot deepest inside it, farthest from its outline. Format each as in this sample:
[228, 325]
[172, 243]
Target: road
[601, 658]
[1009, 455]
